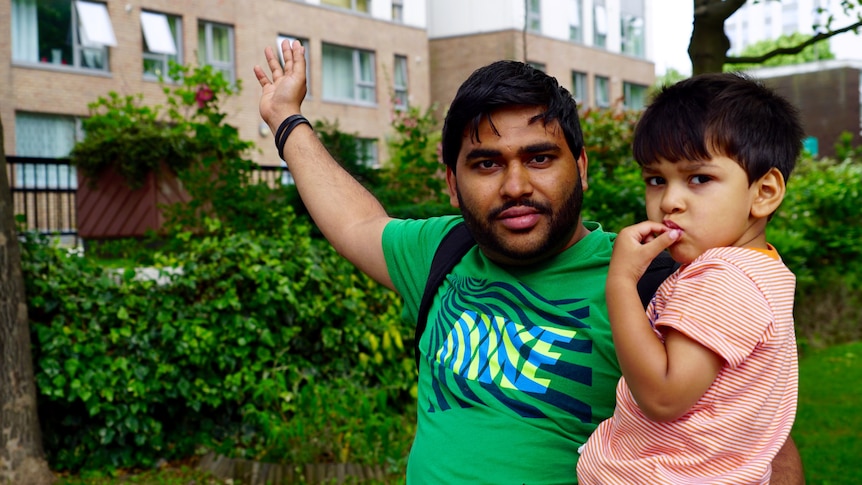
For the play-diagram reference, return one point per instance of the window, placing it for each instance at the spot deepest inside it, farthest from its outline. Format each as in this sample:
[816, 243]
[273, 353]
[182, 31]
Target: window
[302, 41]
[576, 31]
[45, 136]
[540, 66]
[579, 87]
[367, 152]
[632, 38]
[400, 75]
[398, 11]
[600, 26]
[789, 17]
[63, 33]
[357, 5]
[348, 75]
[215, 48]
[534, 16]
[632, 30]
[162, 40]
[634, 95]
[603, 92]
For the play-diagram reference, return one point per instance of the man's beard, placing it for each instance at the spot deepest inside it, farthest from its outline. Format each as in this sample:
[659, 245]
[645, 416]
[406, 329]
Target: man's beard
[561, 226]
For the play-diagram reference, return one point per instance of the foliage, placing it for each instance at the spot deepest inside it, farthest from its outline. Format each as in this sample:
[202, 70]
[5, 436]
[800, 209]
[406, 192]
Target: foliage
[131, 138]
[346, 149]
[819, 51]
[412, 183]
[245, 323]
[415, 174]
[670, 77]
[189, 137]
[817, 227]
[844, 148]
[615, 193]
[827, 424]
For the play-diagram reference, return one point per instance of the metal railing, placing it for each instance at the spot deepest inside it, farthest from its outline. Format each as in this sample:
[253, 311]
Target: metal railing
[44, 192]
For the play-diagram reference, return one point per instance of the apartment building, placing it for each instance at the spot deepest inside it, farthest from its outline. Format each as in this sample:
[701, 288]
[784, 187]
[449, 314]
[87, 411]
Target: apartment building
[366, 58]
[598, 49]
[770, 19]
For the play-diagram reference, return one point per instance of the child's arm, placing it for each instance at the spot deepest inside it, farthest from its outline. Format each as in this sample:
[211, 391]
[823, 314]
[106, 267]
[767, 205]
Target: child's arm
[665, 379]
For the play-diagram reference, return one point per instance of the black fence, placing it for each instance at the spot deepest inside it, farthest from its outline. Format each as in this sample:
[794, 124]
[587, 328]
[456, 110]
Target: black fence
[44, 191]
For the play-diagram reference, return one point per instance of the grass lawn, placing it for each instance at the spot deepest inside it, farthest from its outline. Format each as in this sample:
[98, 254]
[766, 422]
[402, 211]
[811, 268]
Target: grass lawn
[828, 428]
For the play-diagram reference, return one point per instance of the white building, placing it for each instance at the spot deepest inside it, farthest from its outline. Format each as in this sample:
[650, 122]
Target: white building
[771, 19]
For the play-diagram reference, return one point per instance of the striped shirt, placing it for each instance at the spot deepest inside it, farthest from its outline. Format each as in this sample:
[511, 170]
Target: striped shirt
[737, 302]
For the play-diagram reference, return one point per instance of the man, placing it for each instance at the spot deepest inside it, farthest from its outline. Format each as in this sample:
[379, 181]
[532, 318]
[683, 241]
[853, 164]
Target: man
[517, 365]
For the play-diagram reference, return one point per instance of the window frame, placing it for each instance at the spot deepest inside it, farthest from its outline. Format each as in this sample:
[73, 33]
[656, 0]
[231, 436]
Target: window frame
[355, 5]
[576, 20]
[305, 42]
[401, 96]
[175, 26]
[602, 96]
[534, 16]
[32, 176]
[579, 88]
[600, 25]
[205, 52]
[359, 85]
[628, 96]
[86, 54]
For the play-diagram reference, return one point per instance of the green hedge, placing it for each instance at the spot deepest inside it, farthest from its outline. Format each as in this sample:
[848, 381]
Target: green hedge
[253, 332]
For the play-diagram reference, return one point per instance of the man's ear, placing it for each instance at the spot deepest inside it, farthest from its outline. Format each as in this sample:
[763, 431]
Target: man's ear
[452, 183]
[582, 168]
[768, 192]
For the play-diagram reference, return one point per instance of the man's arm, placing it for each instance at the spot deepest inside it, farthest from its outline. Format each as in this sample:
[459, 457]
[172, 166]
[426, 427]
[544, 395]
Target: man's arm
[349, 216]
[787, 466]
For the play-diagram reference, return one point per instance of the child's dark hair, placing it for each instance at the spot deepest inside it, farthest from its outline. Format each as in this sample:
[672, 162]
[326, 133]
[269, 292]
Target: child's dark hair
[505, 84]
[721, 114]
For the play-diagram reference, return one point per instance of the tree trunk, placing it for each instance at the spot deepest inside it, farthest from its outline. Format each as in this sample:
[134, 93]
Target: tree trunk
[709, 44]
[22, 458]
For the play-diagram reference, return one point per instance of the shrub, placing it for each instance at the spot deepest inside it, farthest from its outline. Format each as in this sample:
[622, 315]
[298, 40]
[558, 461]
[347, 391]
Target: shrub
[220, 354]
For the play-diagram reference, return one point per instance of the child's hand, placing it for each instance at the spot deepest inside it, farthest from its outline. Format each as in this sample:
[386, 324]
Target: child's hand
[636, 246]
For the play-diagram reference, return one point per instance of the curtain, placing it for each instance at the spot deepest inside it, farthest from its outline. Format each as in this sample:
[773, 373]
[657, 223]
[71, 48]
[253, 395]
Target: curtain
[47, 137]
[25, 31]
[338, 80]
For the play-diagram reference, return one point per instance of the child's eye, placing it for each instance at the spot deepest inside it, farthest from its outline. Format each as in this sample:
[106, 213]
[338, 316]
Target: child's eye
[654, 180]
[700, 179]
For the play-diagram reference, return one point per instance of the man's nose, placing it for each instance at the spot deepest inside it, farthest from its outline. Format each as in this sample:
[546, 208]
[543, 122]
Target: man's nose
[516, 181]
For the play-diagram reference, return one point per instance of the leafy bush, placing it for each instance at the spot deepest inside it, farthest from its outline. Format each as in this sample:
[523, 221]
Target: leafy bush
[615, 196]
[220, 354]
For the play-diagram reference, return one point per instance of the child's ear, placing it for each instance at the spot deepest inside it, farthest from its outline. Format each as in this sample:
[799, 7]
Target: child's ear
[768, 192]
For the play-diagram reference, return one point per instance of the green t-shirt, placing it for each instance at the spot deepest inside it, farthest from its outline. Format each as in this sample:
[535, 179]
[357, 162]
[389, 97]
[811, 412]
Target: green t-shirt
[517, 365]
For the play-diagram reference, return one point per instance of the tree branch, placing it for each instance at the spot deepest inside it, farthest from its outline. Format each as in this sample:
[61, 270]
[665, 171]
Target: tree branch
[791, 50]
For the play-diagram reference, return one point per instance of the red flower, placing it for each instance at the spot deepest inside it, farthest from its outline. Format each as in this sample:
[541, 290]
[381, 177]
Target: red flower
[203, 95]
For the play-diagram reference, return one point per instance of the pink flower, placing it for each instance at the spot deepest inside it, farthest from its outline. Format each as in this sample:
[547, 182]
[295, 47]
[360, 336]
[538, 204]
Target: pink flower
[203, 95]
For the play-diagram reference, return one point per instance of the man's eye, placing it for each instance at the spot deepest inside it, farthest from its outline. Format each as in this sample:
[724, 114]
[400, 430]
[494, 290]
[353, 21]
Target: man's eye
[541, 159]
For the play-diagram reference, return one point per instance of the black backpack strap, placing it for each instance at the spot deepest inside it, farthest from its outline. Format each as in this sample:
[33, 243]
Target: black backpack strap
[660, 268]
[452, 248]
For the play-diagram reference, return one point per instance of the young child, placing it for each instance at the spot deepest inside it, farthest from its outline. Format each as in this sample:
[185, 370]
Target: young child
[708, 393]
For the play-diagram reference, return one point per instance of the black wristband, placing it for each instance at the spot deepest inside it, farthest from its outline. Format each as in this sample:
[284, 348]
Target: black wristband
[284, 130]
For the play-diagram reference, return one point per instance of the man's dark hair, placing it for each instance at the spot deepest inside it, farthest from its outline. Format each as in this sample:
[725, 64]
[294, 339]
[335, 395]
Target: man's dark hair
[505, 84]
[721, 114]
